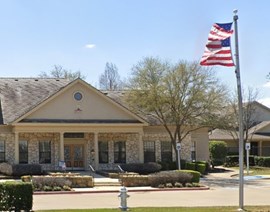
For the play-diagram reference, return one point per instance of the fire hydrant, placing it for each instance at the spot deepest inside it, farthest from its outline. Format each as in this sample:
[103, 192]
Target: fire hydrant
[123, 199]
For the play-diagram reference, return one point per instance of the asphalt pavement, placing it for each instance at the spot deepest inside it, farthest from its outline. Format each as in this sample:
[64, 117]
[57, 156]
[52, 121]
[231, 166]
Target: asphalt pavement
[223, 191]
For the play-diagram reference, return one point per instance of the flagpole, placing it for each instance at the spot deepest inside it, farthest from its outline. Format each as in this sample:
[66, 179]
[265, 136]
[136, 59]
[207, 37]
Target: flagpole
[240, 106]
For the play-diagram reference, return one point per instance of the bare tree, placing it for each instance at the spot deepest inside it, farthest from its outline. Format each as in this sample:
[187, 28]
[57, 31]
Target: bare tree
[183, 95]
[59, 72]
[110, 79]
[230, 121]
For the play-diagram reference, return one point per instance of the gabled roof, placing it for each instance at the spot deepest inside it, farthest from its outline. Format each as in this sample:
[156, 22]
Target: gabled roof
[20, 95]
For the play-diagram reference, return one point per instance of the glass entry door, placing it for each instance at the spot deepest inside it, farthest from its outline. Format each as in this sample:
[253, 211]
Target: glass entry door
[74, 157]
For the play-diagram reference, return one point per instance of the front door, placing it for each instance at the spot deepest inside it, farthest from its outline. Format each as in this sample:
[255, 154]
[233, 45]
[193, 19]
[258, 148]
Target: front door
[74, 156]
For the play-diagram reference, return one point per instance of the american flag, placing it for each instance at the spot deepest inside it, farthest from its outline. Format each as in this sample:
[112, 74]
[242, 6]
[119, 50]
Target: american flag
[218, 47]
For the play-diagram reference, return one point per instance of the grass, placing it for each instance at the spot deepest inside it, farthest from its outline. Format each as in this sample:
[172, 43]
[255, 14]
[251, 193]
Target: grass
[256, 170]
[182, 209]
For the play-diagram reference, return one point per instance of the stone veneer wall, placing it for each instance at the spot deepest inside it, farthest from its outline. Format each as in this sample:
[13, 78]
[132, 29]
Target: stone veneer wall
[9, 146]
[132, 148]
[33, 148]
[157, 138]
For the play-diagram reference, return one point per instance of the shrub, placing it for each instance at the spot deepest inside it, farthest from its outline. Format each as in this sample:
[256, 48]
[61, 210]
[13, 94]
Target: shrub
[16, 196]
[191, 166]
[195, 175]
[173, 177]
[142, 168]
[218, 152]
[201, 168]
[20, 169]
[232, 160]
[262, 161]
[178, 185]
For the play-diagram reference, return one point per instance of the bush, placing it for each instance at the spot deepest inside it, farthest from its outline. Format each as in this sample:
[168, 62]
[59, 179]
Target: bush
[195, 175]
[173, 177]
[218, 152]
[16, 196]
[262, 161]
[20, 169]
[201, 168]
[191, 166]
[232, 160]
[142, 168]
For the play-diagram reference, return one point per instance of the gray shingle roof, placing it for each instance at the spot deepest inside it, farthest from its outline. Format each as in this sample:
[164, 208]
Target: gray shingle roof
[20, 95]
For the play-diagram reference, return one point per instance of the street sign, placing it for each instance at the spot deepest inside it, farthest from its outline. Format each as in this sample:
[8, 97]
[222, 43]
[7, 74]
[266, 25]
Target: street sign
[247, 146]
[178, 146]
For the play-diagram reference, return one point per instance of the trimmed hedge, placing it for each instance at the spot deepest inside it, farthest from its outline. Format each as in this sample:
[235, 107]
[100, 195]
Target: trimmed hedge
[173, 177]
[142, 168]
[200, 166]
[16, 196]
[195, 175]
[262, 161]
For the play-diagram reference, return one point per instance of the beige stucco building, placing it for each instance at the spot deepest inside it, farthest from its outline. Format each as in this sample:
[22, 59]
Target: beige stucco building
[46, 121]
[258, 135]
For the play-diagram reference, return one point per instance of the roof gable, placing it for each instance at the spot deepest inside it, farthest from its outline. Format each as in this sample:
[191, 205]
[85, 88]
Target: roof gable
[20, 95]
[94, 107]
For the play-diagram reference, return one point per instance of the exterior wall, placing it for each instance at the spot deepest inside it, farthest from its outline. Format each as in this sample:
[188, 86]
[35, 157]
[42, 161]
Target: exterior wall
[94, 105]
[201, 140]
[9, 146]
[132, 148]
[33, 148]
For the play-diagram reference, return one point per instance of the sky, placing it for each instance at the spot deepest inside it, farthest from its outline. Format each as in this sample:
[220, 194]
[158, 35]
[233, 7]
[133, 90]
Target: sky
[82, 35]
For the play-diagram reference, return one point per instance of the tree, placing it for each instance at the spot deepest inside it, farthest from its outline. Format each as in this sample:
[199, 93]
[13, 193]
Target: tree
[110, 79]
[183, 95]
[230, 119]
[59, 72]
[218, 152]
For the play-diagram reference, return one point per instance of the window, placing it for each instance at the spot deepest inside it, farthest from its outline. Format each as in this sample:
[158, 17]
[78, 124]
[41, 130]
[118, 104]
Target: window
[103, 156]
[45, 152]
[78, 96]
[149, 151]
[120, 152]
[193, 151]
[73, 135]
[23, 152]
[166, 151]
[2, 151]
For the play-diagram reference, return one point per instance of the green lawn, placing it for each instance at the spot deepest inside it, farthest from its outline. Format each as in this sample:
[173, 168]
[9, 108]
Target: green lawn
[182, 209]
[256, 170]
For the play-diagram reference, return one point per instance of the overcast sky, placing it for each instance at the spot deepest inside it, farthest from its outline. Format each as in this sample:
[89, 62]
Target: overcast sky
[83, 35]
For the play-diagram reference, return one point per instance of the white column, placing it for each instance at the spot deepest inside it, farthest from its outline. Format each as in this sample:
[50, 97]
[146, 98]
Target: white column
[96, 149]
[16, 159]
[141, 151]
[61, 147]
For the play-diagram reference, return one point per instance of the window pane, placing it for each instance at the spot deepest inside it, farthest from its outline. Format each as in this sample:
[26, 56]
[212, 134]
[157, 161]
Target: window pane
[166, 151]
[2, 151]
[149, 151]
[120, 152]
[2, 146]
[103, 152]
[23, 152]
[44, 152]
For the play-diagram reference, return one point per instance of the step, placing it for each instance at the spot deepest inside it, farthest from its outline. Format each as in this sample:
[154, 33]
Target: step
[107, 183]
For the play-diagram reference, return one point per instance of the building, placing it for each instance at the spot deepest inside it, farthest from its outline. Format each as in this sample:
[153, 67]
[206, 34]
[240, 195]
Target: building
[48, 121]
[258, 134]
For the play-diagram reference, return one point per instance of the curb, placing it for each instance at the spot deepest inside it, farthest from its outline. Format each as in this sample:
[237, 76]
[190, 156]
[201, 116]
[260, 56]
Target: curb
[117, 191]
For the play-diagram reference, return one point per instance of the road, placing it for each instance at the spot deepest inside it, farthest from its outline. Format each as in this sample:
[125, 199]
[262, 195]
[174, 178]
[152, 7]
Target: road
[223, 192]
